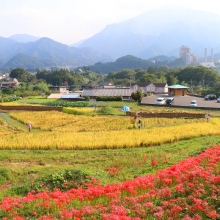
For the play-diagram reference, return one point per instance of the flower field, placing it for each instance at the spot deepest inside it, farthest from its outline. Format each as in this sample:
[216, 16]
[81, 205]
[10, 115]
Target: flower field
[187, 190]
[165, 170]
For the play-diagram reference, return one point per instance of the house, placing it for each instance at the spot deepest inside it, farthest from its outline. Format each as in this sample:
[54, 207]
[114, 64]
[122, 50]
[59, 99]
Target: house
[59, 89]
[72, 97]
[94, 93]
[9, 84]
[149, 87]
[90, 86]
[106, 85]
[67, 97]
[177, 90]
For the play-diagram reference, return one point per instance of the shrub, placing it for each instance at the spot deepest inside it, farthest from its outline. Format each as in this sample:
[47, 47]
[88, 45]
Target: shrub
[62, 180]
[109, 111]
[4, 175]
[87, 98]
[109, 98]
[64, 103]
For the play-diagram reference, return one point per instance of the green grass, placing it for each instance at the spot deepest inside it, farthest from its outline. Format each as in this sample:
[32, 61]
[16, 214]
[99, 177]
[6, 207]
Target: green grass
[21, 169]
[35, 99]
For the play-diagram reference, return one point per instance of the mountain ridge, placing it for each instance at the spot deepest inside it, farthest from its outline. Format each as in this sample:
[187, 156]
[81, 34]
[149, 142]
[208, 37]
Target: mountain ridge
[48, 49]
[159, 31]
[23, 38]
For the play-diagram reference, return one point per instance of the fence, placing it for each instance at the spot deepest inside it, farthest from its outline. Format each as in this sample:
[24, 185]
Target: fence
[167, 115]
[31, 108]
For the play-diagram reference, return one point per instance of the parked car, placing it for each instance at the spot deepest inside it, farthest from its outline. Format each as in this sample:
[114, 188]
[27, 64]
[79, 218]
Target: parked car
[170, 101]
[218, 100]
[160, 101]
[193, 103]
[210, 97]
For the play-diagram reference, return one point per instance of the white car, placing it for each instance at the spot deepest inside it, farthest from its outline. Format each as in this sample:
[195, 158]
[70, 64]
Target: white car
[218, 100]
[160, 101]
[193, 103]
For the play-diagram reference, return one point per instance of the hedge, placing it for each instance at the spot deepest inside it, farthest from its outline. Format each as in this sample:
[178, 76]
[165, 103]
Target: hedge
[109, 98]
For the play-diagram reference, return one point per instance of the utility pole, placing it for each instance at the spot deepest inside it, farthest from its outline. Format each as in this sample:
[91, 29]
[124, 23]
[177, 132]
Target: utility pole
[131, 79]
[191, 85]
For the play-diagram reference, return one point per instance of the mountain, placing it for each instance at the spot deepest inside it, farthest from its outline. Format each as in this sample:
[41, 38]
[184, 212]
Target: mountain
[50, 50]
[24, 61]
[24, 38]
[77, 43]
[216, 56]
[159, 31]
[1, 62]
[7, 48]
[162, 58]
[125, 62]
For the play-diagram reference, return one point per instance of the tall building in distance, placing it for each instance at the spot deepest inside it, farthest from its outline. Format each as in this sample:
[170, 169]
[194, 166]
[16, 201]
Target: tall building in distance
[189, 58]
[184, 51]
[208, 62]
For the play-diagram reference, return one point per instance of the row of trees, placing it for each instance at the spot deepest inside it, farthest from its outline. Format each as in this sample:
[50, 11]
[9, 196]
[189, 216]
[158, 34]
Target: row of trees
[190, 75]
[186, 76]
[199, 79]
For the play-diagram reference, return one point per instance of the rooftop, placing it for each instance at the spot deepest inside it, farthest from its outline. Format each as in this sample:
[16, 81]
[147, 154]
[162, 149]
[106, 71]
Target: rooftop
[178, 87]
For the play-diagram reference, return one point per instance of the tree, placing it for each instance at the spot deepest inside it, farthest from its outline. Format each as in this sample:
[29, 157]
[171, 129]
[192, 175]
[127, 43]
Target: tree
[151, 78]
[171, 79]
[139, 95]
[22, 75]
[151, 70]
[134, 96]
[164, 68]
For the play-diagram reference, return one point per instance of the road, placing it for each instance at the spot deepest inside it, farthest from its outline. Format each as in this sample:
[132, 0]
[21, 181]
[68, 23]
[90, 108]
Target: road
[182, 100]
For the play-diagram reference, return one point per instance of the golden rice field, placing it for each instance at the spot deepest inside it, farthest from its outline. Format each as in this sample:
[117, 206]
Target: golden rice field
[58, 121]
[65, 131]
[110, 139]
[14, 104]
[81, 109]
[5, 128]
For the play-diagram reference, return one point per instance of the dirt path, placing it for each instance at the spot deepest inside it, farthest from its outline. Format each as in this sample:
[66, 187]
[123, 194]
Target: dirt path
[16, 124]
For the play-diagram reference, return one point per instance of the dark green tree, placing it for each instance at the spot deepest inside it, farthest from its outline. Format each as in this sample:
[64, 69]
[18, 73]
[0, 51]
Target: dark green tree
[151, 70]
[22, 75]
[139, 95]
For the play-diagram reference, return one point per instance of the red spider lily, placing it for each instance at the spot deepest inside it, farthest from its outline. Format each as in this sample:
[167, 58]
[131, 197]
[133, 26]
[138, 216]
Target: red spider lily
[187, 190]
[153, 163]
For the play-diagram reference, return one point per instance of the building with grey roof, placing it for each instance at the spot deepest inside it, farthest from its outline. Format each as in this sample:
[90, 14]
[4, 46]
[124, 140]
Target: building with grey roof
[94, 93]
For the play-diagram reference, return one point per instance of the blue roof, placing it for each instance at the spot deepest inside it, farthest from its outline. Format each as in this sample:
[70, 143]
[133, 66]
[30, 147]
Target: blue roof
[178, 87]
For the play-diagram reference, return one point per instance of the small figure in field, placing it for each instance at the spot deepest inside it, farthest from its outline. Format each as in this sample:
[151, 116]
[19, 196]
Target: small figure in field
[135, 115]
[29, 126]
[208, 116]
[139, 124]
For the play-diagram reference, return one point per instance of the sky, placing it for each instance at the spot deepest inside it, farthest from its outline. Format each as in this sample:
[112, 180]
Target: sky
[70, 21]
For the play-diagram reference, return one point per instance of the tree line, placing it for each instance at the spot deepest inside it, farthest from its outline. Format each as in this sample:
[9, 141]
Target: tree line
[200, 79]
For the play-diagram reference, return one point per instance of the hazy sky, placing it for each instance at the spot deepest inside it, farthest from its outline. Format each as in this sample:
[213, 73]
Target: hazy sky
[69, 21]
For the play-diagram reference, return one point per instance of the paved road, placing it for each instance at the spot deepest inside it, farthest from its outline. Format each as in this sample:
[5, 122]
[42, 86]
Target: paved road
[183, 100]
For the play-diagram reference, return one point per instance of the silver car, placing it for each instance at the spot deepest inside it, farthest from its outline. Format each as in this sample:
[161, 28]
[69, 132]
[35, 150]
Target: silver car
[160, 101]
[193, 103]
